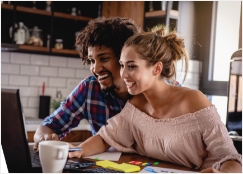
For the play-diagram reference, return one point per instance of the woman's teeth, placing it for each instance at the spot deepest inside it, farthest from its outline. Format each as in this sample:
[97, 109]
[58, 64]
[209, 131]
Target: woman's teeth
[129, 84]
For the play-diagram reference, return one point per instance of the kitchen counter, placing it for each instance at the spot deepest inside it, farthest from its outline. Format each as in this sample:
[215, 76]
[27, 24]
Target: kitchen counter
[31, 124]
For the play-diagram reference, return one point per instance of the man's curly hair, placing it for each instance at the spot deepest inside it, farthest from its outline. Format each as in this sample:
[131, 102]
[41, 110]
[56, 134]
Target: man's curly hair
[110, 32]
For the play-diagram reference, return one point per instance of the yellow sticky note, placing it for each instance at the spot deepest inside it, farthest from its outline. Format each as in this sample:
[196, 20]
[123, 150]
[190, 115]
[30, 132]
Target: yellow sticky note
[124, 167]
[105, 163]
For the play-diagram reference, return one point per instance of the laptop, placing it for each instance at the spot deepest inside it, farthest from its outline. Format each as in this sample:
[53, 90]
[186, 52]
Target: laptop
[19, 155]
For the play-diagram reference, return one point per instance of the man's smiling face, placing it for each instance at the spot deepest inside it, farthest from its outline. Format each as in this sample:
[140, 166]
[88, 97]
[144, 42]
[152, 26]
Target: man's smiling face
[104, 66]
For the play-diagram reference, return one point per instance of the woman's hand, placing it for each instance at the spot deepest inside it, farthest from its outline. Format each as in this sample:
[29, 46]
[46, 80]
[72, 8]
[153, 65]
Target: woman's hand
[74, 154]
[210, 170]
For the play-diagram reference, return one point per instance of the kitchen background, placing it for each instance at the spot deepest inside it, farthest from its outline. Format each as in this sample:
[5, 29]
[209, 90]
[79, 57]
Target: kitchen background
[50, 57]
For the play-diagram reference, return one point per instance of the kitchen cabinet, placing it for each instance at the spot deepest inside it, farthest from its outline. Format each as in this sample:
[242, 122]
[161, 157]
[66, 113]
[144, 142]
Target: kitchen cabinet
[59, 23]
[146, 14]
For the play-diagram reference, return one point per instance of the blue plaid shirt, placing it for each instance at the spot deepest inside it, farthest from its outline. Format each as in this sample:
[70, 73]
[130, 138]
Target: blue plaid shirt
[86, 101]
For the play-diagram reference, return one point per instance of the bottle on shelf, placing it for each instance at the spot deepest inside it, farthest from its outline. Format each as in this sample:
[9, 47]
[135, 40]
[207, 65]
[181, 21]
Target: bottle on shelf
[48, 41]
[59, 44]
[20, 34]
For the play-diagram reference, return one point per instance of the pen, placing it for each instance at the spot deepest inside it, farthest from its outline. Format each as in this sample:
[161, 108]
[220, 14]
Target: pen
[150, 170]
[74, 149]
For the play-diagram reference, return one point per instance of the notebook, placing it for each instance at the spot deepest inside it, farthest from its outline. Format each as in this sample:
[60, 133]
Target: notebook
[19, 155]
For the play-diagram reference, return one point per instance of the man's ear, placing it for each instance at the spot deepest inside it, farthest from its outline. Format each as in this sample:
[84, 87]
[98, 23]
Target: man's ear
[158, 68]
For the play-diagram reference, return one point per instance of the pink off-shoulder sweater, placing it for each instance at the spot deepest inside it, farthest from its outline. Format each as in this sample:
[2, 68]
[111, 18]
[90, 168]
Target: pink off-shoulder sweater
[197, 140]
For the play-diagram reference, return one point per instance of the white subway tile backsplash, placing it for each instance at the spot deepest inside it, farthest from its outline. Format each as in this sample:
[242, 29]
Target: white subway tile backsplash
[9, 87]
[24, 101]
[5, 79]
[57, 82]
[5, 56]
[65, 92]
[20, 58]
[38, 81]
[19, 80]
[10, 68]
[64, 72]
[48, 92]
[58, 61]
[28, 91]
[82, 73]
[48, 71]
[31, 112]
[72, 83]
[39, 59]
[75, 63]
[33, 102]
[29, 70]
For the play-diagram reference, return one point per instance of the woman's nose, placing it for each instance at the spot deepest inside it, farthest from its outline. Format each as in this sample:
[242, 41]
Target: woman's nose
[123, 73]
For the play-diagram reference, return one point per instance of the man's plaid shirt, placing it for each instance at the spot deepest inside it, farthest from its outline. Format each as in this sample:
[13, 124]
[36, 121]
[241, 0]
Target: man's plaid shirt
[85, 101]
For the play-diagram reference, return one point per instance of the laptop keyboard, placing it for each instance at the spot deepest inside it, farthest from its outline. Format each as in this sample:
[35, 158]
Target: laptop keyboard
[35, 160]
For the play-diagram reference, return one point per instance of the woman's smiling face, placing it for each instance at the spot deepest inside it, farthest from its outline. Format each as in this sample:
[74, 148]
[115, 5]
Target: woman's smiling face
[135, 71]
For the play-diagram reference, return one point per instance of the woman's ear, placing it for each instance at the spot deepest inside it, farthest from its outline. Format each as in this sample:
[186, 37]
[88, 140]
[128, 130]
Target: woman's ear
[158, 68]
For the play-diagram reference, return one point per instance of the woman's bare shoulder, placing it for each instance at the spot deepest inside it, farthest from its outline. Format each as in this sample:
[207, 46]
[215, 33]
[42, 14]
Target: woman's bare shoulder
[195, 100]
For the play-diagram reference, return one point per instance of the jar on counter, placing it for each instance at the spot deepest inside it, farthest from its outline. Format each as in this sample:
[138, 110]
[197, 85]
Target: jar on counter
[59, 44]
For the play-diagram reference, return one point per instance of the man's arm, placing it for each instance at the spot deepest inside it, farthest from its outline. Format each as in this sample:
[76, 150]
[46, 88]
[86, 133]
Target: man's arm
[43, 133]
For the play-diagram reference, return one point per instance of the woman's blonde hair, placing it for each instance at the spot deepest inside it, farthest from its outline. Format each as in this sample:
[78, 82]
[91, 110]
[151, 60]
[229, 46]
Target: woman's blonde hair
[158, 45]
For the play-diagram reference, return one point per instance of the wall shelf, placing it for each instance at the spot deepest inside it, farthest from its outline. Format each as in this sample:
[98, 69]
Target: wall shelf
[7, 6]
[51, 23]
[160, 13]
[33, 48]
[68, 16]
[65, 51]
[33, 10]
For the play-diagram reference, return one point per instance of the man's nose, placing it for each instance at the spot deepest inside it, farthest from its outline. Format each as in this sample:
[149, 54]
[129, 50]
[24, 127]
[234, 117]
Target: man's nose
[96, 67]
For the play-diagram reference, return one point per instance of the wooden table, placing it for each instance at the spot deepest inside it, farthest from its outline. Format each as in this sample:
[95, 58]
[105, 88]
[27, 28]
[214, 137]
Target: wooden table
[127, 157]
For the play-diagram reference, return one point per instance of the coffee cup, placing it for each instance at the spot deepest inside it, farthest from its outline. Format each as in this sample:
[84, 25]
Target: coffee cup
[53, 155]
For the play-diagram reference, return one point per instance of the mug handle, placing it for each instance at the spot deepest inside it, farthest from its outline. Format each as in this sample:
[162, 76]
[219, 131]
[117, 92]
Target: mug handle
[60, 154]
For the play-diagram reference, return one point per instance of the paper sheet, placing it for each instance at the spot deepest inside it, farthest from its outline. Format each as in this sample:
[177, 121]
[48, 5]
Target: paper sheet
[164, 170]
[112, 156]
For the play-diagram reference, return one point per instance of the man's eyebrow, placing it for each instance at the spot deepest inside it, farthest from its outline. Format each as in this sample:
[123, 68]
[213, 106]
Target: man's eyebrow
[101, 54]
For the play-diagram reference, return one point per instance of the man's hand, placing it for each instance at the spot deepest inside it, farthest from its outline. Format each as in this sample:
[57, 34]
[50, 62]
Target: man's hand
[43, 133]
[45, 138]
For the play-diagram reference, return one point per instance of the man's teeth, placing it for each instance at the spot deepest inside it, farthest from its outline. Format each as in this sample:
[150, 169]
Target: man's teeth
[103, 76]
[130, 83]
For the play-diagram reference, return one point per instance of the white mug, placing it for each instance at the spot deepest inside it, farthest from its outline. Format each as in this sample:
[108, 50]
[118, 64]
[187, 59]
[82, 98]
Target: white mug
[53, 156]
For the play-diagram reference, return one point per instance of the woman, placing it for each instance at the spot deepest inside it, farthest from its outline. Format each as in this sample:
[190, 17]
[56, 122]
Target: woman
[164, 121]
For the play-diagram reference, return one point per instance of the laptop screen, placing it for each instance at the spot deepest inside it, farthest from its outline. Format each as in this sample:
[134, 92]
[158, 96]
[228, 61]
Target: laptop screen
[13, 135]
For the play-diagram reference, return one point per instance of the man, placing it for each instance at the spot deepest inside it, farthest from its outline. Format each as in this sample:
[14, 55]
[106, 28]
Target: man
[98, 97]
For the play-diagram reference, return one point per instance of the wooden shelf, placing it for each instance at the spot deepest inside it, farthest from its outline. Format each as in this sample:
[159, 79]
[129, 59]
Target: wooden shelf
[160, 13]
[64, 51]
[68, 16]
[33, 48]
[33, 10]
[7, 6]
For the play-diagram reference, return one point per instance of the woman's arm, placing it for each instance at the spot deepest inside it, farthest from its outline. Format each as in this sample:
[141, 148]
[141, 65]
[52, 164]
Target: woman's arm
[91, 146]
[226, 167]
